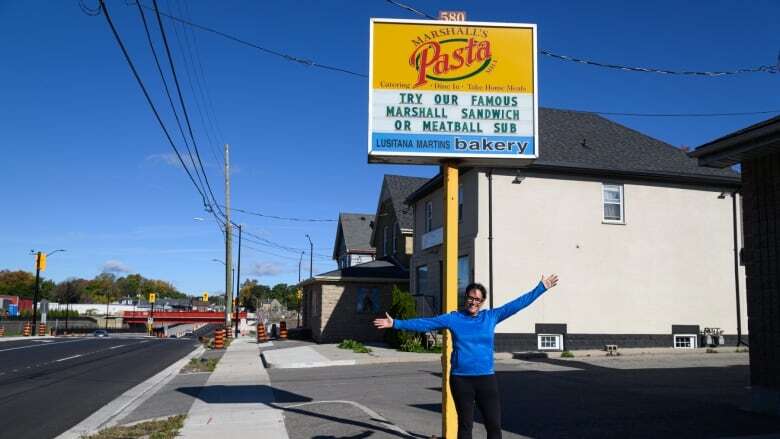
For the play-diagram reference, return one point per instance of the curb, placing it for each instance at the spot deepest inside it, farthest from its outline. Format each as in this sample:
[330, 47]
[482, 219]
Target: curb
[125, 403]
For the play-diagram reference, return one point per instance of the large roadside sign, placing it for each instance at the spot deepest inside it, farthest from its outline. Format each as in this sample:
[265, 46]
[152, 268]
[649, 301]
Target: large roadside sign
[442, 90]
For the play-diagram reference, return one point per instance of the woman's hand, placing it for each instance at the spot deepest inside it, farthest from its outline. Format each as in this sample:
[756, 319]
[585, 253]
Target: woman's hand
[550, 281]
[384, 323]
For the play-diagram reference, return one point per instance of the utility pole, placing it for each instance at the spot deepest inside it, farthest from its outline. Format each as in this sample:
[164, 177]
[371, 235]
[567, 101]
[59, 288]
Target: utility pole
[299, 267]
[238, 276]
[37, 290]
[228, 241]
[311, 257]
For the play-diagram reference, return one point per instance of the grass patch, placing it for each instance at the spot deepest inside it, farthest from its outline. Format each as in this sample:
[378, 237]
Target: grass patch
[200, 365]
[741, 350]
[355, 346]
[567, 354]
[162, 429]
[712, 351]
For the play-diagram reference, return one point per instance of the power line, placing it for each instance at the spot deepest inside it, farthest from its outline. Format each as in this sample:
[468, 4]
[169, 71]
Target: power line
[746, 113]
[146, 95]
[181, 101]
[294, 58]
[284, 218]
[194, 80]
[168, 92]
[759, 69]
[288, 57]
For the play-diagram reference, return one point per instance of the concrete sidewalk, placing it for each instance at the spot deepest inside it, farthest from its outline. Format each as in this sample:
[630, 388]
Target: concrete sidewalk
[236, 399]
[326, 355]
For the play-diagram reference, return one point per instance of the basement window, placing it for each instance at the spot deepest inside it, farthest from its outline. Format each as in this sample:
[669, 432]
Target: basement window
[685, 341]
[550, 342]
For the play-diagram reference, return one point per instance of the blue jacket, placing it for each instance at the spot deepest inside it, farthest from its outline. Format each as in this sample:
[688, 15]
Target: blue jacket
[472, 352]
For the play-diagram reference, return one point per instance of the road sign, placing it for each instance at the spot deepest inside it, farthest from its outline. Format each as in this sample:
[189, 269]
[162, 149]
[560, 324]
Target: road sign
[452, 90]
[299, 294]
[205, 297]
[152, 297]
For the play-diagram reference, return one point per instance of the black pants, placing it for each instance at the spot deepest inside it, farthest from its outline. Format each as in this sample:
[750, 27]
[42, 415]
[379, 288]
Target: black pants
[484, 390]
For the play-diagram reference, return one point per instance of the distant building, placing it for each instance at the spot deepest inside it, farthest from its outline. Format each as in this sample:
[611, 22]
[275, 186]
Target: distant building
[342, 304]
[392, 233]
[353, 240]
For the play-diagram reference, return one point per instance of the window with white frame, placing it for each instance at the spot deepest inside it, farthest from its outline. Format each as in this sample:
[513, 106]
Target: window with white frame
[613, 203]
[550, 342]
[384, 241]
[685, 341]
[428, 216]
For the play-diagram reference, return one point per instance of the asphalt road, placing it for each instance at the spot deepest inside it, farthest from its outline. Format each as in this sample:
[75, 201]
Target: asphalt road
[637, 398]
[50, 385]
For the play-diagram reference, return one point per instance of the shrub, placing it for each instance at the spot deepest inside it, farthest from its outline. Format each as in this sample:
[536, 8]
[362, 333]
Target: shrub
[567, 354]
[412, 343]
[402, 307]
[354, 345]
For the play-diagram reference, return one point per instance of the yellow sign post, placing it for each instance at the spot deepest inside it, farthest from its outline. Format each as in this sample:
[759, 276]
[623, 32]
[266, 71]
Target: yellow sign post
[205, 296]
[152, 297]
[449, 171]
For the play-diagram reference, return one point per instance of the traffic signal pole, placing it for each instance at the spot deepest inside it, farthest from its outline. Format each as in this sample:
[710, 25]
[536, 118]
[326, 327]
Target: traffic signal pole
[37, 291]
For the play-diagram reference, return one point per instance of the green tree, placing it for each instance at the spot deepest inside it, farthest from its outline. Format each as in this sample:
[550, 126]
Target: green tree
[17, 283]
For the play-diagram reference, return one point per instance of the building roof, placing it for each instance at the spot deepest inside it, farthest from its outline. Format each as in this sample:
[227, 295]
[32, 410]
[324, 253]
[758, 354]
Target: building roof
[399, 187]
[573, 142]
[378, 271]
[756, 140]
[355, 230]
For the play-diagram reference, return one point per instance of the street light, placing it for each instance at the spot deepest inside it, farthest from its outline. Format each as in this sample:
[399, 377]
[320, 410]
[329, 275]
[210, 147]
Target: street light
[38, 255]
[311, 256]
[232, 270]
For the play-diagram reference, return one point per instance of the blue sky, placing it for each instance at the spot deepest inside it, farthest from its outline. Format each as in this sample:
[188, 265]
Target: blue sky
[85, 166]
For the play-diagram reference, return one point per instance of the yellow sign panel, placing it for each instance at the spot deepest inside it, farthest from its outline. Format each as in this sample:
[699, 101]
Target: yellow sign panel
[205, 297]
[299, 294]
[40, 261]
[152, 297]
[460, 90]
[453, 57]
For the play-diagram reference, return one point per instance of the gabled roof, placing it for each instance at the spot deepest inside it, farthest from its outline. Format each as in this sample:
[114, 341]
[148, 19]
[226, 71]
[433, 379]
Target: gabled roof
[377, 271]
[355, 230]
[398, 188]
[572, 142]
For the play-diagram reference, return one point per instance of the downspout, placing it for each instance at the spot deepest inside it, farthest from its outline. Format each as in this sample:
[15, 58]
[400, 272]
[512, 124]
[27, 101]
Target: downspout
[736, 268]
[490, 235]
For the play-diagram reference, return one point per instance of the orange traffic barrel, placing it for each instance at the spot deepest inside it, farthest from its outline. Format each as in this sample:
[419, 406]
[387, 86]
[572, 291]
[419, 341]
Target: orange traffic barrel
[262, 336]
[219, 339]
[282, 330]
[27, 331]
[2, 331]
[41, 329]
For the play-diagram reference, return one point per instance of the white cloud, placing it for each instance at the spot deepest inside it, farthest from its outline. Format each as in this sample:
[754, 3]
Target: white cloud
[169, 159]
[115, 267]
[265, 269]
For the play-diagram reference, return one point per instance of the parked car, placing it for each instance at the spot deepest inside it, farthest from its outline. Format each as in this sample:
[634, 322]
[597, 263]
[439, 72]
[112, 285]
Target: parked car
[189, 334]
[100, 333]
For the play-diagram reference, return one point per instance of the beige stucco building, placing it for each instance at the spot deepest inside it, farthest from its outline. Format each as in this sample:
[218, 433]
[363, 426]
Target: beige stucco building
[642, 239]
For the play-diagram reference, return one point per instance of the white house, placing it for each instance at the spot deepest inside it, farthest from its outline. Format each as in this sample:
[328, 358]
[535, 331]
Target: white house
[642, 238]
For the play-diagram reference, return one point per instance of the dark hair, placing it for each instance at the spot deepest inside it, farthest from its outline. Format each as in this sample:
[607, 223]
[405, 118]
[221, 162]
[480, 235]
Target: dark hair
[476, 286]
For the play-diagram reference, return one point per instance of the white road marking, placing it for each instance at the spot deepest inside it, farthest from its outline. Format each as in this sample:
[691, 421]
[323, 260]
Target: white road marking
[41, 345]
[114, 347]
[67, 358]
[376, 416]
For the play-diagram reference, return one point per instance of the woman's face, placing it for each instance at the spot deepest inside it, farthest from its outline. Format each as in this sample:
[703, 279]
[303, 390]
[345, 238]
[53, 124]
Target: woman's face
[474, 301]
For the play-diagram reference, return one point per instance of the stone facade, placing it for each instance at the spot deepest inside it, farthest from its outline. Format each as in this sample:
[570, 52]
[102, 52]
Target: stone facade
[332, 313]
